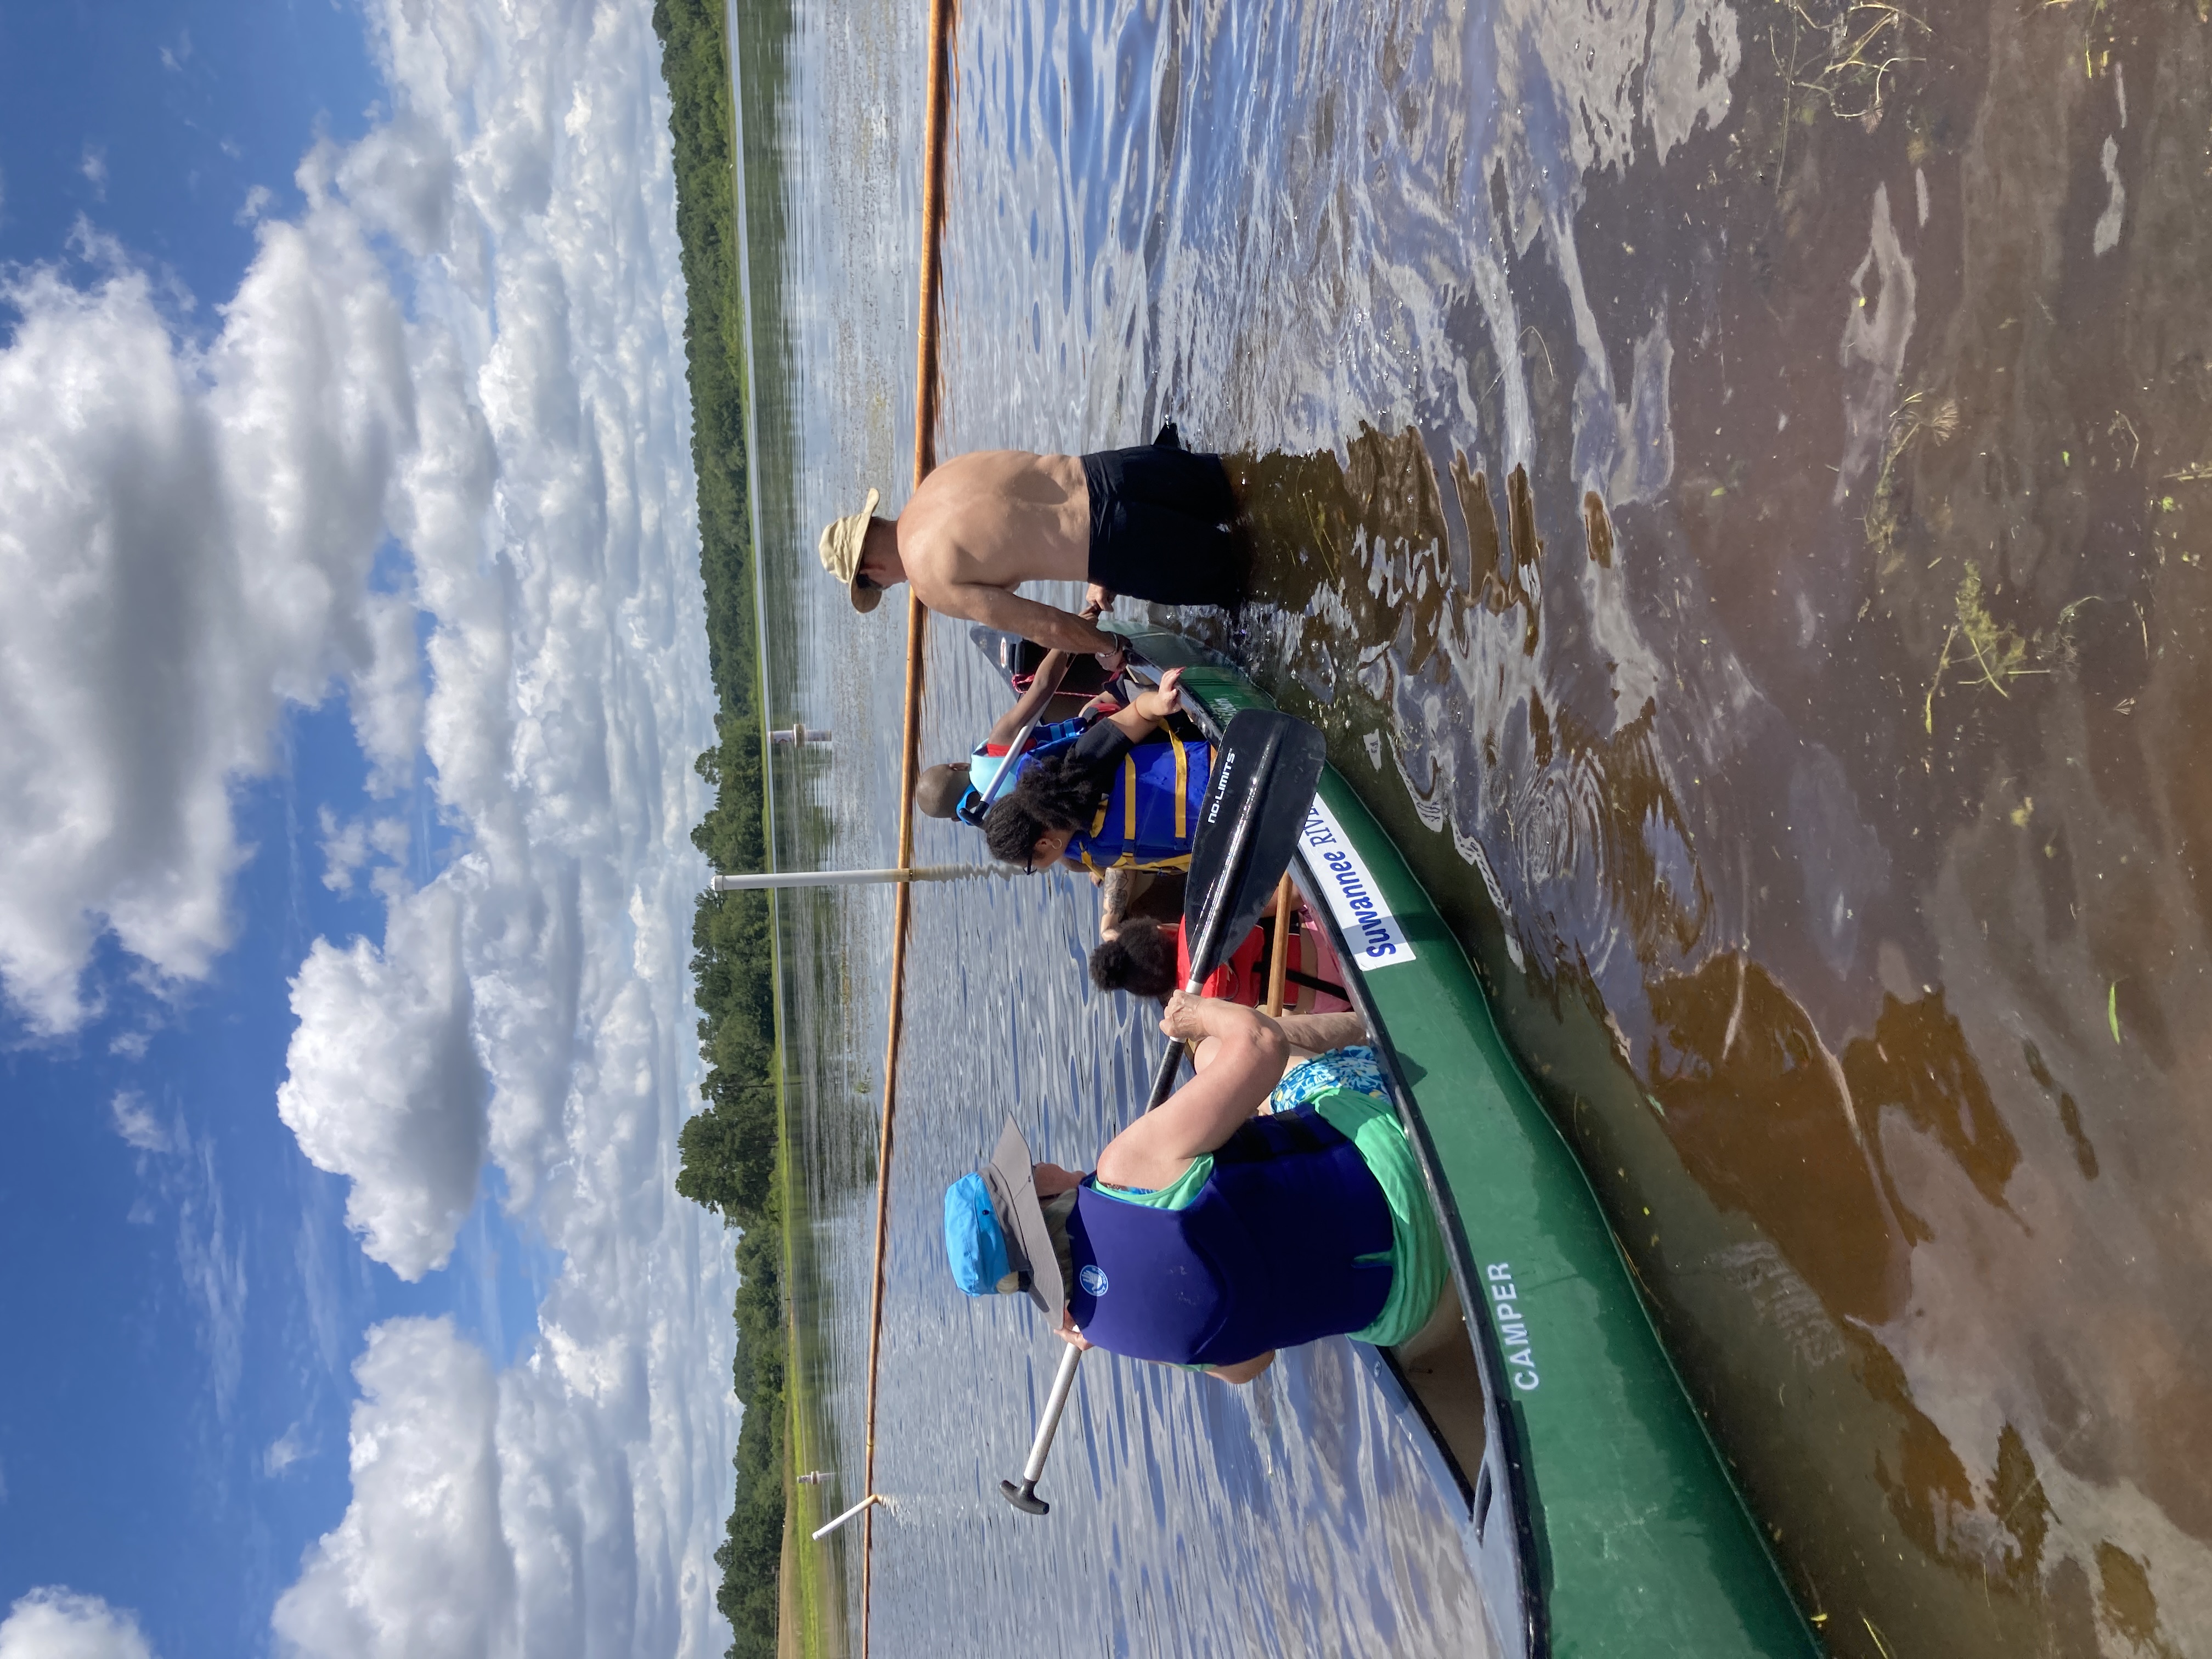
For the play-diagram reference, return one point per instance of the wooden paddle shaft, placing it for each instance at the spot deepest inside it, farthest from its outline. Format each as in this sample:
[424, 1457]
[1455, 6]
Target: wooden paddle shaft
[1278, 958]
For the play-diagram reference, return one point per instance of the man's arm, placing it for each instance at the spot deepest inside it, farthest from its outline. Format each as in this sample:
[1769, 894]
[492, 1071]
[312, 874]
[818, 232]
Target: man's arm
[994, 607]
[1116, 891]
[1030, 704]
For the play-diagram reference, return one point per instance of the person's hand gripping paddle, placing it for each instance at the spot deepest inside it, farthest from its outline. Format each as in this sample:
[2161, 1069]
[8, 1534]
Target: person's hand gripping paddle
[1264, 771]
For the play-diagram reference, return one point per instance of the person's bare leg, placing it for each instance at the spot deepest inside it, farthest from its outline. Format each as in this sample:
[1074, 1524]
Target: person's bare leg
[1446, 1321]
[1310, 1037]
[1313, 1035]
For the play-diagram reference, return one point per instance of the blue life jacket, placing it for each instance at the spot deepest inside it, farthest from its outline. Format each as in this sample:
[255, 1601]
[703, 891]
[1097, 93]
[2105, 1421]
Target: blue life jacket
[1152, 813]
[1288, 1240]
[1056, 739]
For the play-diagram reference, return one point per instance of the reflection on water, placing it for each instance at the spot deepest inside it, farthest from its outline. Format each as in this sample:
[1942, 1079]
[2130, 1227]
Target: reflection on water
[1733, 480]
[1293, 1517]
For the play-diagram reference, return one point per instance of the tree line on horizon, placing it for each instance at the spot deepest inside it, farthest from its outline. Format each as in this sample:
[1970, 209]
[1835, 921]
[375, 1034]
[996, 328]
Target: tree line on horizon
[728, 1149]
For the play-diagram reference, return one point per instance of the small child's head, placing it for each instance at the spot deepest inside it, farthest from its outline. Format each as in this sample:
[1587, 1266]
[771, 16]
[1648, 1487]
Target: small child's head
[1030, 825]
[1140, 959]
[938, 790]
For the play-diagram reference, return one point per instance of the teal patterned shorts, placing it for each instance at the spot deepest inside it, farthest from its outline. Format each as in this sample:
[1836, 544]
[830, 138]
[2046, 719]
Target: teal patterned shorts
[1354, 1068]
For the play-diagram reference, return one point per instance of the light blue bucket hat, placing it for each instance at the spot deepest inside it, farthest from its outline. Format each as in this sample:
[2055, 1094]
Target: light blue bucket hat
[995, 1236]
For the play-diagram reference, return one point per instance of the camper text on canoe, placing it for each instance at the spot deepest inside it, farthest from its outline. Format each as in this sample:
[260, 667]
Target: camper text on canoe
[1512, 1326]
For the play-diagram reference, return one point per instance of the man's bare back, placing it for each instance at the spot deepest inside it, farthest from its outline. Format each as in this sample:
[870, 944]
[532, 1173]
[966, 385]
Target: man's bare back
[979, 527]
[997, 517]
[984, 523]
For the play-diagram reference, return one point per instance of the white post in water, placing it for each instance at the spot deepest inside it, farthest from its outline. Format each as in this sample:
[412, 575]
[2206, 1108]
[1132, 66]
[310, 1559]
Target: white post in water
[796, 737]
[854, 878]
[825, 1531]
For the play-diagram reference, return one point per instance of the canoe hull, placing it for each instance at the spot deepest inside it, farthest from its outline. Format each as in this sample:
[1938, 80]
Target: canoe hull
[1600, 1521]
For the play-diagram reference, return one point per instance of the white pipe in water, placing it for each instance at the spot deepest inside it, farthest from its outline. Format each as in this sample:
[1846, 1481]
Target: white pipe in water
[825, 1531]
[853, 878]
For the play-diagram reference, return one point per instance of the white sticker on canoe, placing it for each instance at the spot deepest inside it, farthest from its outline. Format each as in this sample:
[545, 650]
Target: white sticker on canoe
[1369, 929]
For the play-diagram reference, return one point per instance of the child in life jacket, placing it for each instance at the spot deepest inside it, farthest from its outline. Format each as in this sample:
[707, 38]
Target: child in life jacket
[1151, 959]
[956, 788]
[1107, 799]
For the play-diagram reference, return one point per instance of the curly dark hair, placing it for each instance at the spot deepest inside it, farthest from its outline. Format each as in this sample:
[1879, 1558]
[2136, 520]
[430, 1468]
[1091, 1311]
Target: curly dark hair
[1139, 959]
[1010, 832]
[1052, 793]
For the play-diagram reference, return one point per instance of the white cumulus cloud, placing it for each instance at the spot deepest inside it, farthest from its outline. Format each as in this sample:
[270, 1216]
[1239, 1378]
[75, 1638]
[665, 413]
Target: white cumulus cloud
[419, 1567]
[384, 1084]
[351, 844]
[433, 457]
[186, 531]
[544, 508]
[284, 1451]
[56, 1623]
[500, 1513]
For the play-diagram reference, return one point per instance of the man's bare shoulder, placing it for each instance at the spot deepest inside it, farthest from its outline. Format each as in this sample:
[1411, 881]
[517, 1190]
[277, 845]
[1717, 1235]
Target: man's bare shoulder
[1010, 475]
[980, 462]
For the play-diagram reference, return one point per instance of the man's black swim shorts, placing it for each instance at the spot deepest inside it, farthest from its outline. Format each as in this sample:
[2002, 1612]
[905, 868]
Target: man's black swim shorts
[1163, 527]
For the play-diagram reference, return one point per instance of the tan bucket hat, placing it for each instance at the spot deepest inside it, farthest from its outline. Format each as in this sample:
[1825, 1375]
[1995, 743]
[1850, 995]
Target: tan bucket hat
[840, 554]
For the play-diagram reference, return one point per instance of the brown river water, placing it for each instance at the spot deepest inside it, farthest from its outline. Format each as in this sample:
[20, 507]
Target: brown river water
[1733, 482]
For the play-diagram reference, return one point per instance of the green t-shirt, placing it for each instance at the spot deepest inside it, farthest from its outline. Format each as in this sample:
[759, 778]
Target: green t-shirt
[1417, 1244]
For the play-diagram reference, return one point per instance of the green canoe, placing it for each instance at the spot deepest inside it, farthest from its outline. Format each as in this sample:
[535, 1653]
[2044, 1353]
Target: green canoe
[1599, 1520]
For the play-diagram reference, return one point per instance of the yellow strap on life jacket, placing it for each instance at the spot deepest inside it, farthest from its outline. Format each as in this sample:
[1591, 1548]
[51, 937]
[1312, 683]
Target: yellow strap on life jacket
[1129, 859]
[1182, 789]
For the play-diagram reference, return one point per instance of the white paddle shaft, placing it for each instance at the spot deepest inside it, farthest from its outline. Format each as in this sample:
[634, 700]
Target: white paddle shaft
[1049, 1424]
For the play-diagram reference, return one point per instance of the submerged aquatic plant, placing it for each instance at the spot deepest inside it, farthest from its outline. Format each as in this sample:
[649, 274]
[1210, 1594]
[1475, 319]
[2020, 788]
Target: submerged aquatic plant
[1998, 654]
[1869, 41]
[1915, 417]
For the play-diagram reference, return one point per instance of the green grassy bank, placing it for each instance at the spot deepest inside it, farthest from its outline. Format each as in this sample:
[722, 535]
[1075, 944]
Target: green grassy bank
[812, 1601]
[732, 1150]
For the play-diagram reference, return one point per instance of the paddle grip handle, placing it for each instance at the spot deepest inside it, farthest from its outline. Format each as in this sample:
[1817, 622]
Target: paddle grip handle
[1205, 950]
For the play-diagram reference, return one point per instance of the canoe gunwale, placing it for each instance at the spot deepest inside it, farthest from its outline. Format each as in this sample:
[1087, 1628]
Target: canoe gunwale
[1505, 1457]
[1501, 1433]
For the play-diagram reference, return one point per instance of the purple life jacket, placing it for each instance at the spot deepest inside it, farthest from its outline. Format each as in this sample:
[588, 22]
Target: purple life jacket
[1268, 1255]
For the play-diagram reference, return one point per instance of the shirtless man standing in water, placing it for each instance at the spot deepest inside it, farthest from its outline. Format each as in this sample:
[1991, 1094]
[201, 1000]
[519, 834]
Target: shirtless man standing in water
[1155, 522]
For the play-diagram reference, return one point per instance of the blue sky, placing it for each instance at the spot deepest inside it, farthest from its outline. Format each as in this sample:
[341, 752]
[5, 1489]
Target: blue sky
[347, 700]
[155, 121]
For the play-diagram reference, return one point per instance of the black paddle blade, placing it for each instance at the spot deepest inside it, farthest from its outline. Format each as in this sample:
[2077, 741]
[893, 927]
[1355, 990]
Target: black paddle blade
[1266, 769]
